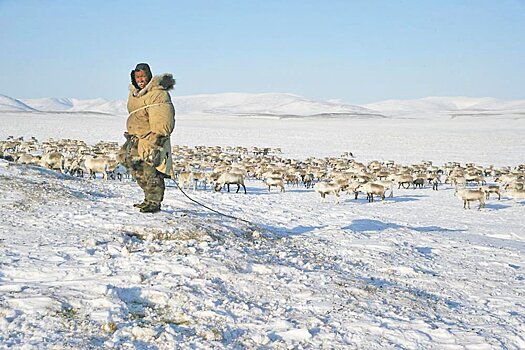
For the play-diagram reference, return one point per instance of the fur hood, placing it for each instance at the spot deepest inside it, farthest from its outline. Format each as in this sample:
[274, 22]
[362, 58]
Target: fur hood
[158, 82]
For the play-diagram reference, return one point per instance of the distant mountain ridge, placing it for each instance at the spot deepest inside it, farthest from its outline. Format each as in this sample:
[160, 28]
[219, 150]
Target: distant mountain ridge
[267, 104]
[446, 104]
[98, 105]
[11, 104]
[280, 105]
[234, 104]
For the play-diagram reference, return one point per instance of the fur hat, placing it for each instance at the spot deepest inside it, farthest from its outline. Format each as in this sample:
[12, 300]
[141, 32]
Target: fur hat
[143, 67]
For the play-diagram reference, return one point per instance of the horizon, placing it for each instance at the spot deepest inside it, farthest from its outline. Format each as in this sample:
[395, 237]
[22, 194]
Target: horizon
[176, 96]
[278, 105]
[358, 52]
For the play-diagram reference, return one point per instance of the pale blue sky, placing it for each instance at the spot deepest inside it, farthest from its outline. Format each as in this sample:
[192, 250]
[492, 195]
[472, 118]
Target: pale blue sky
[355, 51]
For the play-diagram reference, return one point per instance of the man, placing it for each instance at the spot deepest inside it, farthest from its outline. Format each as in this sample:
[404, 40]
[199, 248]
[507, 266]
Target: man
[150, 123]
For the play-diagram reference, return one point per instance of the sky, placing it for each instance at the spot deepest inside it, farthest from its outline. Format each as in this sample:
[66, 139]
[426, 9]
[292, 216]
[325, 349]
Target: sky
[353, 51]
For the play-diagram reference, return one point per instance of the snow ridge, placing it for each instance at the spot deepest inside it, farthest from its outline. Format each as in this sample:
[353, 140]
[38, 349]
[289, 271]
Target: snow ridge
[235, 104]
[280, 105]
[11, 104]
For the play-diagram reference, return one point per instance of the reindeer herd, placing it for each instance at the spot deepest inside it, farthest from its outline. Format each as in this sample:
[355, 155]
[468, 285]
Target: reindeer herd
[219, 167]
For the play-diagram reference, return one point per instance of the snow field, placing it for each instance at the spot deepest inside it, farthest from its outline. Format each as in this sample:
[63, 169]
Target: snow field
[81, 268]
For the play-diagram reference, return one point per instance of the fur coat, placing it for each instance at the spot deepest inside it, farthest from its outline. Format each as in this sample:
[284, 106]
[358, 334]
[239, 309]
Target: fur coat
[152, 116]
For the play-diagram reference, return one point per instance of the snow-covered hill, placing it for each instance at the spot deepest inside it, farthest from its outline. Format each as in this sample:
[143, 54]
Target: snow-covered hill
[116, 107]
[447, 106]
[98, 105]
[269, 104]
[11, 104]
[50, 104]
[431, 104]
[518, 105]
[282, 105]
[233, 104]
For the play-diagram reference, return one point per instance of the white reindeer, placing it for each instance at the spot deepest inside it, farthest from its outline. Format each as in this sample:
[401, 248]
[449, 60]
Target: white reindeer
[229, 179]
[274, 181]
[324, 188]
[371, 188]
[468, 196]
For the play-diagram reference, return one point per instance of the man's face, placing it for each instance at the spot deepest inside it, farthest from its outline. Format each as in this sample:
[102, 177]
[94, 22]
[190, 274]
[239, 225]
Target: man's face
[141, 78]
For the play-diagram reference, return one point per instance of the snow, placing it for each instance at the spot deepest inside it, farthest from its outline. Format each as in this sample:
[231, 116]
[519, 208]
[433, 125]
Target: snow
[72, 105]
[50, 104]
[449, 106]
[428, 104]
[279, 105]
[81, 268]
[11, 104]
[241, 104]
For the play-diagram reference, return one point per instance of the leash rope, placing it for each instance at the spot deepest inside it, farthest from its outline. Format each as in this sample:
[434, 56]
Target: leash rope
[155, 104]
[205, 206]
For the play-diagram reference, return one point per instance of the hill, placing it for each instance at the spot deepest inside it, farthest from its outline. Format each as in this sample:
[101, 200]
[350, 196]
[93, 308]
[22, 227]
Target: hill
[281, 105]
[11, 104]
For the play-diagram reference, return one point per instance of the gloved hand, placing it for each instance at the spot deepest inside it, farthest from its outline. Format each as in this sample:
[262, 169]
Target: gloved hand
[159, 139]
[155, 156]
[127, 154]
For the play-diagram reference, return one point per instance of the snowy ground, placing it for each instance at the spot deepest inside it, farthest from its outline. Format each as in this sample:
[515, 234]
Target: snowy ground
[483, 140]
[80, 268]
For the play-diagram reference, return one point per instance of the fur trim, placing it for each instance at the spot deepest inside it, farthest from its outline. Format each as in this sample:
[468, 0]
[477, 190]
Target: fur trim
[159, 82]
[167, 81]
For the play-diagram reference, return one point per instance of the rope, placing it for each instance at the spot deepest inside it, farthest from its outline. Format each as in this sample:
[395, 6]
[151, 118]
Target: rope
[155, 104]
[210, 209]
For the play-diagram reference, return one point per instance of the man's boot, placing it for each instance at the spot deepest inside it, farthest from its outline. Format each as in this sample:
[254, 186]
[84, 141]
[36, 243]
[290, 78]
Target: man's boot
[140, 205]
[150, 207]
